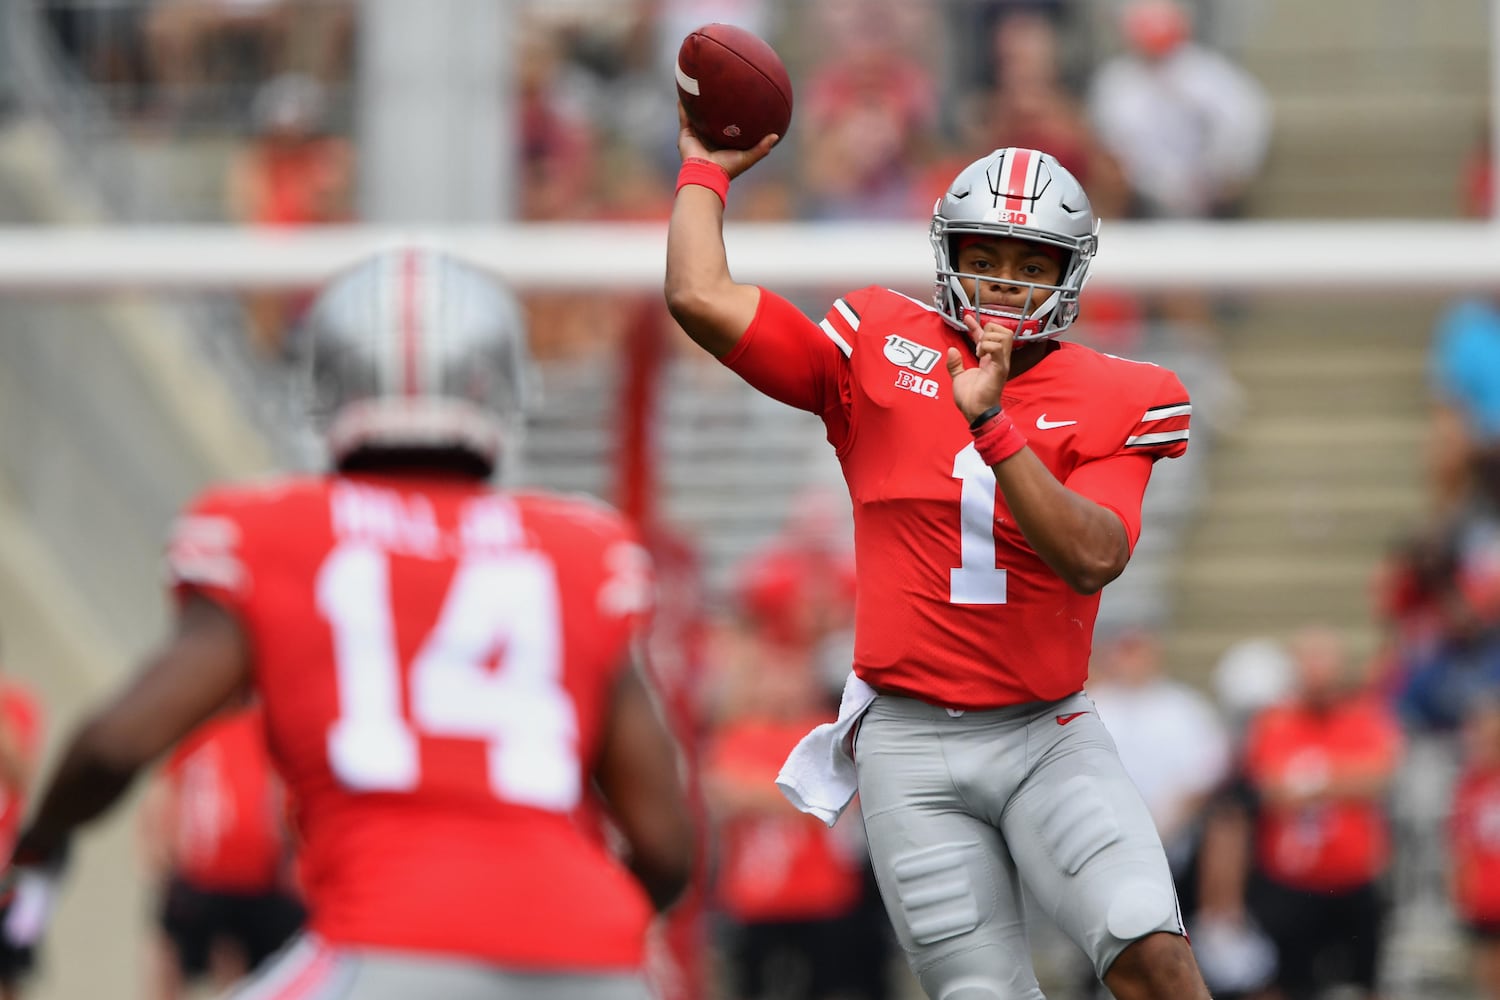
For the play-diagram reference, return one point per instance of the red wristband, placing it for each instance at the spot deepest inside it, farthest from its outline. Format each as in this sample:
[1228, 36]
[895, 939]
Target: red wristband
[997, 439]
[704, 173]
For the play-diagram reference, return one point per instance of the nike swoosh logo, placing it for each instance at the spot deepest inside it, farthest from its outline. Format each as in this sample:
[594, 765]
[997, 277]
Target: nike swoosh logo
[1043, 424]
[1063, 720]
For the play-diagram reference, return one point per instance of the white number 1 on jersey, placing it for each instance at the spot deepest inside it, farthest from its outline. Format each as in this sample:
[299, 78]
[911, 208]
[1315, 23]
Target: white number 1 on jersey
[498, 606]
[976, 580]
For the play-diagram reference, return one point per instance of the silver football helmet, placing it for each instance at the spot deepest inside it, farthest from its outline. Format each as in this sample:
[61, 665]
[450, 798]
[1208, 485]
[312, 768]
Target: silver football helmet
[1022, 193]
[415, 350]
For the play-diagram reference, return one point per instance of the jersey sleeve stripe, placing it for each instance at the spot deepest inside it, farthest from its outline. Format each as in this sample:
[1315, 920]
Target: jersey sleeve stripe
[918, 302]
[1163, 412]
[850, 316]
[214, 572]
[1148, 440]
[834, 336]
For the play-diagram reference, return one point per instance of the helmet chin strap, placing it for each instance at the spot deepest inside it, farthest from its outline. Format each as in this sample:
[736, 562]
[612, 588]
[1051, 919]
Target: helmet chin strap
[1029, 327]
[1015, 324]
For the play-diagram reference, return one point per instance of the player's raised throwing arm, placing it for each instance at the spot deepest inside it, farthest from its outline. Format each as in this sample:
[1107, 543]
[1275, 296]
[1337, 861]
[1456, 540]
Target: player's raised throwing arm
[706, 301]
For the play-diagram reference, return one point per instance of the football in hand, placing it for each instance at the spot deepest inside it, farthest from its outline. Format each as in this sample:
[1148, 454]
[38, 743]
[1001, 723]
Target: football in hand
[733, 86]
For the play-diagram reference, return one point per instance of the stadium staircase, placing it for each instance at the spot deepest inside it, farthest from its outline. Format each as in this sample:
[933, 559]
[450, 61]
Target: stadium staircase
[114, 409]
[110, 417]
[1376, 104]
[730, 462]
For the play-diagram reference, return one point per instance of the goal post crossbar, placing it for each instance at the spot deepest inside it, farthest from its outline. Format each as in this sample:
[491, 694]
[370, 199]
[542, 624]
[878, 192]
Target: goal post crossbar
[1381, 257]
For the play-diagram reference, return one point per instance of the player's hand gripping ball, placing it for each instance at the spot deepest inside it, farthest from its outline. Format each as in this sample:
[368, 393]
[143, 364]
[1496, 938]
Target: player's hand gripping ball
[733, 86]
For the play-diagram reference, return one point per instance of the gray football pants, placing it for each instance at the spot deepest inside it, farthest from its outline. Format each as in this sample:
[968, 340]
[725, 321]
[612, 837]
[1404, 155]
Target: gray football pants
[311, 970]
[962, 810]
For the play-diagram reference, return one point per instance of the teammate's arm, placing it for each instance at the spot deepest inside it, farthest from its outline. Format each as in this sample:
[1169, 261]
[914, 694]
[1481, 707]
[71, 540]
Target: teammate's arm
[204, 664]
[638, 775]
[706, 301]
[1083, 542]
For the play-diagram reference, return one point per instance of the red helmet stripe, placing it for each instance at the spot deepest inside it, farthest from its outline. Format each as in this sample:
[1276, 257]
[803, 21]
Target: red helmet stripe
[1017, 173]
[410, 332]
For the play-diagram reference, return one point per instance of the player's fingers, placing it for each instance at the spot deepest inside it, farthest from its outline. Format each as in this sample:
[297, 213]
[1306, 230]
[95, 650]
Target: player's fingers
[990, 343]
[688, 143]
[975, 330]
[996, 340]
[737, 162]
[758, 152]
[955, 362]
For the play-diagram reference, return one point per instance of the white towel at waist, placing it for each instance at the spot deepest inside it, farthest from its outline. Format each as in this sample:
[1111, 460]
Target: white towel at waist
[818, 776]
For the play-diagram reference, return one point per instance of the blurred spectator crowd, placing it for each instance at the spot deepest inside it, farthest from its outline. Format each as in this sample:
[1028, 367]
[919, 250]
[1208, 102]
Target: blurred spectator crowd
[892, 97]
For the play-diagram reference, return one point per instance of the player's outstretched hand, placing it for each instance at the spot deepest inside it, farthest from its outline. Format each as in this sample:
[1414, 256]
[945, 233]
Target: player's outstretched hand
[734, 161]
[28, 893]
[978, 388]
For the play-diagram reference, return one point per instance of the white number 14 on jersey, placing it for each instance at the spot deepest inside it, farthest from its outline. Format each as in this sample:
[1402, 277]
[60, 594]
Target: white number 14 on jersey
[501, 605]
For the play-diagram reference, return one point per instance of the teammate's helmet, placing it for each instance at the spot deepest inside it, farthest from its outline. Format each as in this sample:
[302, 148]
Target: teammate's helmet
[415, 351]
[1021, 193]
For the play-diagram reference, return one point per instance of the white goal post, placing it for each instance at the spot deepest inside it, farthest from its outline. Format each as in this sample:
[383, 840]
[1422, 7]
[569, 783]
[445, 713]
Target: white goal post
[1379, 257]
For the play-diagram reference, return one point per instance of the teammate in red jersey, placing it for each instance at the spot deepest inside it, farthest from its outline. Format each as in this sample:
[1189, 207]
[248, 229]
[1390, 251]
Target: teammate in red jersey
[216, 834]
[20, 746]
[990, 507]
[445, 669]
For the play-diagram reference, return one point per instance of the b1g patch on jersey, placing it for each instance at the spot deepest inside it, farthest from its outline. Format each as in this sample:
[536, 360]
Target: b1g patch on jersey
[909, 354]
[912, 382]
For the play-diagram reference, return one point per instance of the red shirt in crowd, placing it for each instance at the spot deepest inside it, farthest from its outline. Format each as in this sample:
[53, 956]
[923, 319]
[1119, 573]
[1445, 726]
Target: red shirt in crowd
[796, 595]
[1474, 836]
[781, 865]
[1330, 845]
[298, 183]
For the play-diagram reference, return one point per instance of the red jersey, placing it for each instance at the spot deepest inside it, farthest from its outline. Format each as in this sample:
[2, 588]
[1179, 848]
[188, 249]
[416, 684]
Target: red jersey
[435, 662]
[228, 822]
[1474, 834]
[953, 605]
[780, 866]
[21, 717]
[1331, 845]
